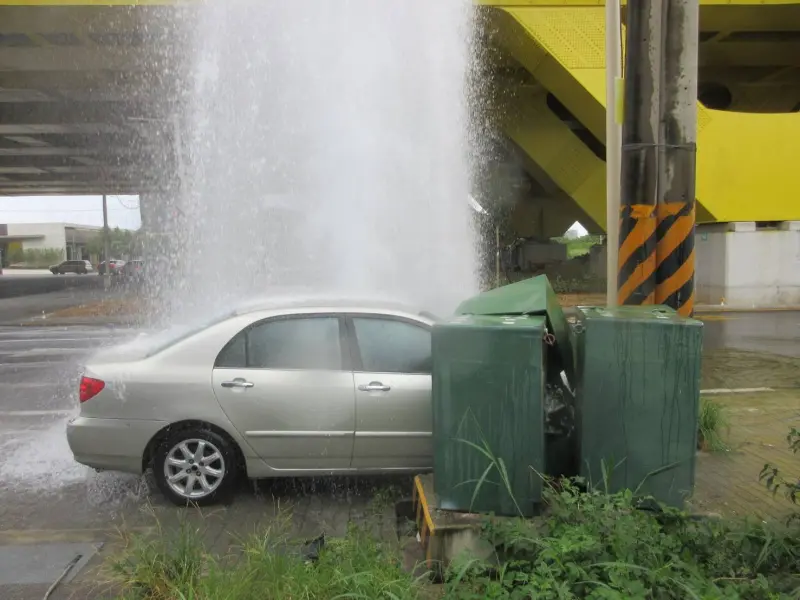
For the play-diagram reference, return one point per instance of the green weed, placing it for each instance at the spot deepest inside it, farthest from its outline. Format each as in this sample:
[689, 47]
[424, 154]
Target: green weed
[713, 426]
[777, 481]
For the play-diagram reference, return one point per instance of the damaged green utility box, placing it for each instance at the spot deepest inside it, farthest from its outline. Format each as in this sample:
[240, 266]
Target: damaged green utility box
[638, 394]
[488, 421]
[534, 296]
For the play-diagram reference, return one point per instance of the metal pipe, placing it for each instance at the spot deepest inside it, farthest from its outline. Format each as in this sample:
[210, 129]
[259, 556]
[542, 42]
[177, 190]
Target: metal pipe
[106, 245]
[613, 146]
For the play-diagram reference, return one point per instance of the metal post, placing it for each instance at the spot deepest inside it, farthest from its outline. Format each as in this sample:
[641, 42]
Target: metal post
[106, 245]
[497, 256]
[675, 257]
[640, 127]
[613, 148]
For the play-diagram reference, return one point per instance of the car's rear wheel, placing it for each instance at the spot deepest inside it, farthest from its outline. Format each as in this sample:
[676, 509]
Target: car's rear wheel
[195, 466]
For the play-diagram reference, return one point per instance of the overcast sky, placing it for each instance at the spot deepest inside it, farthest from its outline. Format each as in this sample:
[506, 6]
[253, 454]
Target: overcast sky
[123, 211]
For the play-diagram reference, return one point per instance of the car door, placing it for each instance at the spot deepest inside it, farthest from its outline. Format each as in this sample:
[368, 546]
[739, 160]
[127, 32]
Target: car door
[392, 372]
[286, 384]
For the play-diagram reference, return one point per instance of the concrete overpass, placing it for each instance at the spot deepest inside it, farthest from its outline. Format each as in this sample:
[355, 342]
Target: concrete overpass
[88, 89]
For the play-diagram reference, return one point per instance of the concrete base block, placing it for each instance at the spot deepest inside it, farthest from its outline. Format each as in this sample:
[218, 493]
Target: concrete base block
[747, 267]
[789, 226]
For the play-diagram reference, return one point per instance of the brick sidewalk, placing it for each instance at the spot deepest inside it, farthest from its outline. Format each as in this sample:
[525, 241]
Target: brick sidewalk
[727, 482]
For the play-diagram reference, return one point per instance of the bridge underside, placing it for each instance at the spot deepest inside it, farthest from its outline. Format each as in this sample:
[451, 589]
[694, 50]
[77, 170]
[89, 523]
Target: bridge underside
[87, 90]
[85, 98]
[553, 56]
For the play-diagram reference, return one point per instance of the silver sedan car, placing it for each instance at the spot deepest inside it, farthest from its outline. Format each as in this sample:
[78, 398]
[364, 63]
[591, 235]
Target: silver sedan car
[281, 388]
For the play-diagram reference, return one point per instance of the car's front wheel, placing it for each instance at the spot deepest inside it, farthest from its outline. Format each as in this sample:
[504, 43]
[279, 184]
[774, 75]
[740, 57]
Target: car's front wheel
[195, 466]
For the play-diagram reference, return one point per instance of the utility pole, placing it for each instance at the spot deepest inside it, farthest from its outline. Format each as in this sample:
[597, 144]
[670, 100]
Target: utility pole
[613, 140]
[677, 163]
[640, 137]
[106, 246]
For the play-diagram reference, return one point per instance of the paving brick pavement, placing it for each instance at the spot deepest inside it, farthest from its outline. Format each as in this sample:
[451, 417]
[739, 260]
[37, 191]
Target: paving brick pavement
[727, 482]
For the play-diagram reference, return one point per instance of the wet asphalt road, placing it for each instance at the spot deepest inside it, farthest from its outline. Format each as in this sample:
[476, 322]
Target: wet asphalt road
[40, 485]
[775, 332]
[13, 285]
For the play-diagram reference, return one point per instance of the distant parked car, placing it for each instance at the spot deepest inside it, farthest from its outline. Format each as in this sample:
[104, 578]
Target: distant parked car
[114, 267]
[81, 267]
[133, 269]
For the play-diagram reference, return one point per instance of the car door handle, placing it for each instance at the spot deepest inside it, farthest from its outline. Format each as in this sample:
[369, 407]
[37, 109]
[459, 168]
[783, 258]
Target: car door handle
[374, 386]
[237, 383]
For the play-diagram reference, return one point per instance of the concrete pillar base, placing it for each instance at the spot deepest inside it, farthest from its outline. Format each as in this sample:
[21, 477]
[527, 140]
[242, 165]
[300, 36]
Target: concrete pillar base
[744, 266]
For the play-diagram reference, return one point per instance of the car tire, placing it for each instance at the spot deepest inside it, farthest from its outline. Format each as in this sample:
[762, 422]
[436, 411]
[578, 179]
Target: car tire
[198, 486]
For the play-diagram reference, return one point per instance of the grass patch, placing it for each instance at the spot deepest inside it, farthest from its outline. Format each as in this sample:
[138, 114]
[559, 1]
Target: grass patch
[265, 566]
[713, 425]
[595, 545]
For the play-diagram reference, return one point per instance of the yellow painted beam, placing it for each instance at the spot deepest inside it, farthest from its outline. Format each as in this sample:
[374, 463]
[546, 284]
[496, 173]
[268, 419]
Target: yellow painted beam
[746, 169]
[94, 2]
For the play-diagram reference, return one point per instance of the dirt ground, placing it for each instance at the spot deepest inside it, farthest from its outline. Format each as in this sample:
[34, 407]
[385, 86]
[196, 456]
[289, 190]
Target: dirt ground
[104, 308]
[568, 300]
[731, 369]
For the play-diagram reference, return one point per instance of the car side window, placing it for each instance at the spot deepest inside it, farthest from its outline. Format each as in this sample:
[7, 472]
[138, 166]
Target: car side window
[234, 354]
[392, 346]
[307, 343]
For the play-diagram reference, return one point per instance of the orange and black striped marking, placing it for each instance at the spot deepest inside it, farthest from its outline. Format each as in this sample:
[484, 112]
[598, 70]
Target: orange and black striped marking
[675, 256]
[637, 254]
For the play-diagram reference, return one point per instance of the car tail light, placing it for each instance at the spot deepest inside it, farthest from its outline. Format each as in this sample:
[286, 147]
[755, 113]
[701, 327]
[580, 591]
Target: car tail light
[90, 387]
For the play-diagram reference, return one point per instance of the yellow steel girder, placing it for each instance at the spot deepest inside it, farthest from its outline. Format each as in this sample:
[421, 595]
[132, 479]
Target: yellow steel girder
[745, 163]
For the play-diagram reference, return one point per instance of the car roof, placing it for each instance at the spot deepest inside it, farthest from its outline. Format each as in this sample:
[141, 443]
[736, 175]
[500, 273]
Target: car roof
[323, 301]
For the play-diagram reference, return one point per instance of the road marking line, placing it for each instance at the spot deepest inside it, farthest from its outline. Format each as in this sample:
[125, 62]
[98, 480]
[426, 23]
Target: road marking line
[44, 339]
[737, 390]
[34, 413]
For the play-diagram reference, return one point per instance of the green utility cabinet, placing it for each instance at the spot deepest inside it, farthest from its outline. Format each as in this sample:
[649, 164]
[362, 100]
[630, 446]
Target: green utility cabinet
[534, 296]
[488, 429]
[638, 392]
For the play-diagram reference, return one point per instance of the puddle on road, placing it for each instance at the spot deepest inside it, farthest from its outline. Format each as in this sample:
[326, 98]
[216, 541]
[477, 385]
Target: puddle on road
[39, 461]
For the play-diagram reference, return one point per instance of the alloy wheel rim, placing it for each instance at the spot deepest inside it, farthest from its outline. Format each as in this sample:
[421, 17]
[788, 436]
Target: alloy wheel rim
[194, 468]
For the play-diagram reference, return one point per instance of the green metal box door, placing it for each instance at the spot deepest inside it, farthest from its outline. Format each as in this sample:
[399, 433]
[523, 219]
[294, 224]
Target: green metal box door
[488, 430]
[533, 296]
[637, 399]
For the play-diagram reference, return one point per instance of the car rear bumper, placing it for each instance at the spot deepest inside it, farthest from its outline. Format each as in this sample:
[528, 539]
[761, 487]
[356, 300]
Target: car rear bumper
[111, 444]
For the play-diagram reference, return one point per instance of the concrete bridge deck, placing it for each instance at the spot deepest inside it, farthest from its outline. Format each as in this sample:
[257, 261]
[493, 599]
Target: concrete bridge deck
[87, 86]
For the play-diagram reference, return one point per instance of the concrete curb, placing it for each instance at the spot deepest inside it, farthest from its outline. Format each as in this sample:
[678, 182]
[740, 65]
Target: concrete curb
[65, 322]
[716, 309]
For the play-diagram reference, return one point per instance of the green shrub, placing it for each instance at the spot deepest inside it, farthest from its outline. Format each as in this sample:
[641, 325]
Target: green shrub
[35, 258]
[594, 545]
